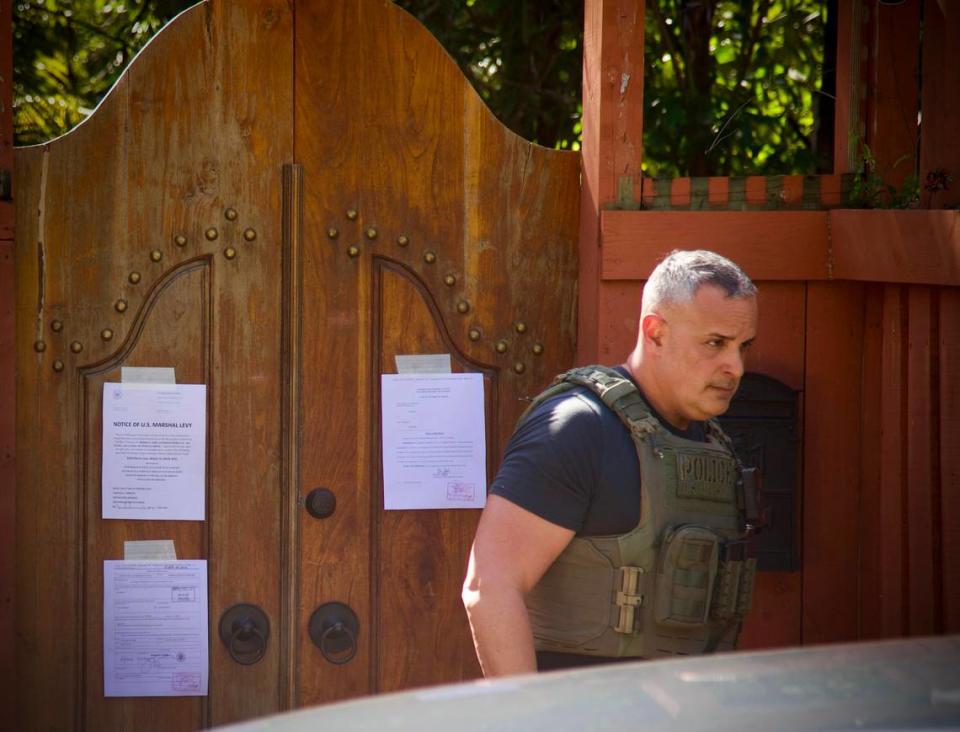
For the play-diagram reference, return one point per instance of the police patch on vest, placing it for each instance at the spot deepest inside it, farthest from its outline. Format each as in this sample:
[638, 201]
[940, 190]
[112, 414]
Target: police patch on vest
[705, 477]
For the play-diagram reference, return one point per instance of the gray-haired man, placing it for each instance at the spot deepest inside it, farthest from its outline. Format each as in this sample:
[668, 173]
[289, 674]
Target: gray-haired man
[615, 527]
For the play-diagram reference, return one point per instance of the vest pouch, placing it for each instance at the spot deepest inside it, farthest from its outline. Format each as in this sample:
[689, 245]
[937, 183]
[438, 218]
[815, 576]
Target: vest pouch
[686, 573]
[733, 590]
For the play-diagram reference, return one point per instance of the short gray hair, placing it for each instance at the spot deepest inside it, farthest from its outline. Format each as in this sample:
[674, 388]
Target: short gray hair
[681, 273]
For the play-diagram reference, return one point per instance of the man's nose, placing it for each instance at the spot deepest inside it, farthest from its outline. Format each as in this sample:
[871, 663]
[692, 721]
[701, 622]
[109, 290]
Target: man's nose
[734, 364]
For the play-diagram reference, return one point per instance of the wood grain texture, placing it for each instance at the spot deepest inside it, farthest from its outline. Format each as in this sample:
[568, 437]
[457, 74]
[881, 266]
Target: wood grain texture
[847, 104]
[6, 94]
[893, 461]
[612, 141]
[776, 619]
[619, 319]
[873, 391]
[831, 498]
[778, 245]
[173, 326]
[922, 491]
[918, 247]
[894, 90]
[188, 131]
[939, 101]
[409, 146]
[423, 630]
[778, 349]
[949, 357]
[8, 505]
[8, 674]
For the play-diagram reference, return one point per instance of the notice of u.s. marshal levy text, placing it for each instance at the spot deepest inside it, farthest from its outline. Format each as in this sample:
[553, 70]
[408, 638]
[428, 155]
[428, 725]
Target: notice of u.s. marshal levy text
[154, 451]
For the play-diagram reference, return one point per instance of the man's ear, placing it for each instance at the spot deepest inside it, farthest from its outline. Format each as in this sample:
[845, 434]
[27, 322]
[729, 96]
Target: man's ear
[652, 327]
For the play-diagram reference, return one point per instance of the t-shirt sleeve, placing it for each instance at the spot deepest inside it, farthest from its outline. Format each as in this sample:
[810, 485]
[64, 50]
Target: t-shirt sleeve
[552, 462]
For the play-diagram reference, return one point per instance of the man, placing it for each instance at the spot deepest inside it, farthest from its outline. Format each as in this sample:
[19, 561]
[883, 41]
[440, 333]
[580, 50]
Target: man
[616, 526]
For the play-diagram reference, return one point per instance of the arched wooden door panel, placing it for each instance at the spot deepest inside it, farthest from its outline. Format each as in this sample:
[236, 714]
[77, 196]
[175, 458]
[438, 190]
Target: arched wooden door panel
[426, 227]
[421, 553]
[134, 224]
[276, 199]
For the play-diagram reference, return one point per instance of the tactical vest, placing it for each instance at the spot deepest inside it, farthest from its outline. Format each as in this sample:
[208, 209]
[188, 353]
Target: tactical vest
[681, 581]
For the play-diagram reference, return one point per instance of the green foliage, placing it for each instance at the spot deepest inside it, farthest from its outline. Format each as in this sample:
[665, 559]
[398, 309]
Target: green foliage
[67, 55]
[732, 87]
[524, 58]
[869, 188]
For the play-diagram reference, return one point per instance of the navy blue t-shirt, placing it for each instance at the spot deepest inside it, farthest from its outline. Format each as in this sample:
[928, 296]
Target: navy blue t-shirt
[573, 463]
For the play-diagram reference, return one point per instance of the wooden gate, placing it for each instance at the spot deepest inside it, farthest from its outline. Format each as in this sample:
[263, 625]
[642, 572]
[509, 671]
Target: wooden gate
[276, 199]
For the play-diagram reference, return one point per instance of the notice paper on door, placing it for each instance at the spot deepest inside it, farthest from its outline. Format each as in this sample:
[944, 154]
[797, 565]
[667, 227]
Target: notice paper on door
[434, 441]
[155, 628]
[154, 451]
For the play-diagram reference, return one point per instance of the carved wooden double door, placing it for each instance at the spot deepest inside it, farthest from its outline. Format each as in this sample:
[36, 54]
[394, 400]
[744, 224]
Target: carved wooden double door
[276, 199]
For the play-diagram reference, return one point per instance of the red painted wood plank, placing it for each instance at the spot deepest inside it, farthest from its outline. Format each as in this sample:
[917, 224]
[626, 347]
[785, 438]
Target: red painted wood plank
[778, 351]
[718, 192]
[917, 247]
[940, 101]
[756, 191]
[775, 618]
[619, 319]
[846, 110]
[831, 191]
[648, 187]
[892, 132]
[922, 520]
[611, 140]
[892, 457]
[792, 190]
[949, 346]
[770, 245]
[680, 193]
[871, 538]
[831, 486]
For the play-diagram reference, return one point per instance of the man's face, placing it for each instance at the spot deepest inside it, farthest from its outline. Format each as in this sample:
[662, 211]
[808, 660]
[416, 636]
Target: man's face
[700, 347]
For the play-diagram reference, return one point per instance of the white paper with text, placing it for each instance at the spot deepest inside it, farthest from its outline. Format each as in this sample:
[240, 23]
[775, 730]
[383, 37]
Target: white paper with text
[434, 441]
[154, 451]
[155, 628]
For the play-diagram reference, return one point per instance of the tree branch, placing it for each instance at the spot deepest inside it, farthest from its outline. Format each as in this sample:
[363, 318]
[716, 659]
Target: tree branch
[666, 32]
[746, 51]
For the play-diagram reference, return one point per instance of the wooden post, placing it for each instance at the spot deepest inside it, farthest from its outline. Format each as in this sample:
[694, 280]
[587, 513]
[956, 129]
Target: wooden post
[8, 673]
[894, 90]
[939, 149]
[612, 143]
[850, 87]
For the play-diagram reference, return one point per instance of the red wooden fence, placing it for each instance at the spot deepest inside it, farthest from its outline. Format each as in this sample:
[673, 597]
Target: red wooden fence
[860, 312]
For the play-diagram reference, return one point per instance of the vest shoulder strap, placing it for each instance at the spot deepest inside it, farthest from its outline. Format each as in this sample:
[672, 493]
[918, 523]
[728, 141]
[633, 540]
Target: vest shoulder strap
[715, 431]
[619, 393]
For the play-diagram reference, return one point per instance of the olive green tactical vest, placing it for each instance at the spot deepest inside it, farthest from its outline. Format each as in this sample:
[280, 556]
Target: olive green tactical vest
[680, 582]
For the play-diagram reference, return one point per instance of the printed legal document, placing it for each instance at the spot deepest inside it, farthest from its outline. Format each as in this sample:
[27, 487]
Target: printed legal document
[155, 628]
[154, 451]
[434, 441]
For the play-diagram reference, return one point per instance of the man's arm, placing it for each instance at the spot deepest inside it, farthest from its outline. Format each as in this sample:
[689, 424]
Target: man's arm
[511, 551]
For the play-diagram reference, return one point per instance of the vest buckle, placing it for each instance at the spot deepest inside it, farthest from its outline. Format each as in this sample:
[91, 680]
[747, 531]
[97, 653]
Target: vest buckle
[629, 598]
